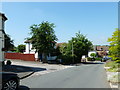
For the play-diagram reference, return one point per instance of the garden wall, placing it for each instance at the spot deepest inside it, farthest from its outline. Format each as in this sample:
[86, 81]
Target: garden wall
[20, 56]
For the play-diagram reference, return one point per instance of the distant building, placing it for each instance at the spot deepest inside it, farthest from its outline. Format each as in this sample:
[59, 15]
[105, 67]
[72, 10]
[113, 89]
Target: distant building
[30, 50]
[100, 50]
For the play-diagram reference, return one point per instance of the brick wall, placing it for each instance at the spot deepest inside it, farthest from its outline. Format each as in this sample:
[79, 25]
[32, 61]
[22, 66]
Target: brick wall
[20, 56]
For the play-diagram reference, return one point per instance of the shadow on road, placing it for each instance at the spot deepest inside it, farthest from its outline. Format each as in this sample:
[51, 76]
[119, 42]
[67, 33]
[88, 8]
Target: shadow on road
[21, 87]
[92, 63]
[20, 69]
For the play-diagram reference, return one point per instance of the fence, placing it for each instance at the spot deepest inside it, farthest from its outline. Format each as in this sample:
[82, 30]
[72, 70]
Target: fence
[20, 56]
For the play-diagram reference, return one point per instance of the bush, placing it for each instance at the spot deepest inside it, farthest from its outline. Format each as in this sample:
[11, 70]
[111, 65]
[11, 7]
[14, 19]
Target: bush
[98, 59]
[109, 63]
[114, 67]
[89, 59]
[117, 61]
[66, 59]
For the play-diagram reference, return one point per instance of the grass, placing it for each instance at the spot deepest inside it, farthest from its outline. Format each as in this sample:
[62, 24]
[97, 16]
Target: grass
[114, 67]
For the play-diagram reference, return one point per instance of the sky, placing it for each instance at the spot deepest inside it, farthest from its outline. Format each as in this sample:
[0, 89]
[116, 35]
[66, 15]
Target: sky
[96, 20]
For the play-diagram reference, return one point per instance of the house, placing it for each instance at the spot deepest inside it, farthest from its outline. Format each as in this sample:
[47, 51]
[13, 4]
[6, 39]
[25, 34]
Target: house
[38, 57]
[100, 50]
[3, 18]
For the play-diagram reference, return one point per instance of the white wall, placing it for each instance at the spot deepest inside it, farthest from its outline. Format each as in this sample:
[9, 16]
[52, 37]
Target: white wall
[91, 52]
[1, 39]
[29, 50]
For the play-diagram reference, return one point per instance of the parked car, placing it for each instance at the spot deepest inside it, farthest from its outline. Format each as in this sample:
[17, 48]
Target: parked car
[104, 59]
[10, 81]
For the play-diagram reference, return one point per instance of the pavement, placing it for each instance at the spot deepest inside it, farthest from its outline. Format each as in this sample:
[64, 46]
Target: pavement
[32, 68]
[114, 82]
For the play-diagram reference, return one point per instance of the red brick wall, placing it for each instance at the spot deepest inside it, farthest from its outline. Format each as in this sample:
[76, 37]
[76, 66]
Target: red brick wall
[19, 56]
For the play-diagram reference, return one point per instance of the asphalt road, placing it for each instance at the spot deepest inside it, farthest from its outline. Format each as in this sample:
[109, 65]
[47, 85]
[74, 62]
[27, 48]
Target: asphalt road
[83, 76]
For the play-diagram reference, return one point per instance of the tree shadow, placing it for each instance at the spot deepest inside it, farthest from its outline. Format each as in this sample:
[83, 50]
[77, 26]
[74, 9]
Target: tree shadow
[92, 63]
[20, 69]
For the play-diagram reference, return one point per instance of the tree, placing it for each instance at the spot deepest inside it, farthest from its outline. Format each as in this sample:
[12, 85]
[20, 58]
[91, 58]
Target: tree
[9, 45]
[43, 38]
[21, 48]
[76, 47]
[93, 55]
[81, 46]
[114, 49]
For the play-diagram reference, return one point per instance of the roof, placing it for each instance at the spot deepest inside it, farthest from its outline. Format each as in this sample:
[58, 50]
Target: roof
[59, 44]
[3, 15]
[103, 48]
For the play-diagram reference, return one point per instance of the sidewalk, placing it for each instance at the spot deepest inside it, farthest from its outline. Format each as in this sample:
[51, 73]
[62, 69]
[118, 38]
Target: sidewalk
[27, 68]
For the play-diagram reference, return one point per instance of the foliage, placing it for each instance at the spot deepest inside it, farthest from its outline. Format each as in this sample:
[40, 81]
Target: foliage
[89, 59]
[98, 58]
[66, 59]
[9, 45]
[43, 38]
[93, 55]
[117, 61]
[81, 46]
[76, 47]
[114, 67]
[21, 48]
[115, 45]
[109, 63]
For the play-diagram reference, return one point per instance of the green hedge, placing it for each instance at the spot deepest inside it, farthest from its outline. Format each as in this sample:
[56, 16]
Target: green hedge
[98, 58]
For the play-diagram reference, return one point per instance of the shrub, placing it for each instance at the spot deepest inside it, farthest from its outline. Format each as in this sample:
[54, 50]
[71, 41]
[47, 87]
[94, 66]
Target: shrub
[89, 59]
[66, 59]
[117, 61]
[109, 63]
[98, 58]
[114, 67]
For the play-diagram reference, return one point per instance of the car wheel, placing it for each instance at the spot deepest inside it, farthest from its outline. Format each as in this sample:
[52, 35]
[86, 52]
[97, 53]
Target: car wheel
[10, 85]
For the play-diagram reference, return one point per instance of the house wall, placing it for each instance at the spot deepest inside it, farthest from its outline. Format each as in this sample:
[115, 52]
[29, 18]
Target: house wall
[89, 53]
[29, 50]
[1, 38]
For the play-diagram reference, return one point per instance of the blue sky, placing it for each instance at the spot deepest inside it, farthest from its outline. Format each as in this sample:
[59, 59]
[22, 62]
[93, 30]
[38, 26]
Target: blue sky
[96, 20]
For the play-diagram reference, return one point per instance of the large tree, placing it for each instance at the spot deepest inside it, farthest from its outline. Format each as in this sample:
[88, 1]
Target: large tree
[9, 45]
[114, 49]
[43, 38]
[81, 46]
[76, 47]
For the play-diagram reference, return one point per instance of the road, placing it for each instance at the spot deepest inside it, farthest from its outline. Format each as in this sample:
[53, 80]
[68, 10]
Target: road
[83, 76]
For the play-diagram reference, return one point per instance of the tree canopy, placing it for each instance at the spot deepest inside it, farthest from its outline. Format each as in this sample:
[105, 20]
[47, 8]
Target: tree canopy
[115, 45]
[76, 47]
[9, 45]
[43, 37]
[21, 48]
